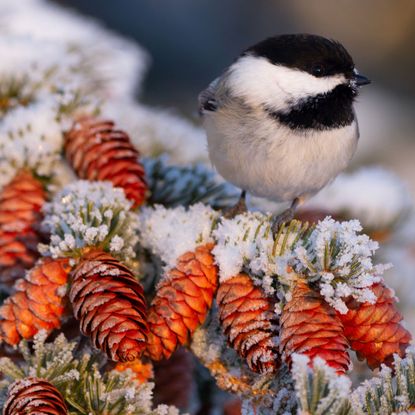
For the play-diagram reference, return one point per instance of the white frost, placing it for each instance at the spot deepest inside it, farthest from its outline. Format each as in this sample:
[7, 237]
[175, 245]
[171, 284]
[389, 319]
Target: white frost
[169, 233]
[87, 213]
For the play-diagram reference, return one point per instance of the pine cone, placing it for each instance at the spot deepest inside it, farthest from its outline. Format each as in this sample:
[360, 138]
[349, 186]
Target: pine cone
[34, 396]
[248, 319]
[37, 303]
[174, 380]
[182, 302]
[373, 330]
[20, 204]
[97, 151]
[310, 326]
[110, 304]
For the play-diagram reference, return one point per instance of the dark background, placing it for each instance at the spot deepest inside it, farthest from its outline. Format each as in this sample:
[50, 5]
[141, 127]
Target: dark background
[192, 41]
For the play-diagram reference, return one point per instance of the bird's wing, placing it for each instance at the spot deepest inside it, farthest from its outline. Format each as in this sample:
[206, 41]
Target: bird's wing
[207, 98]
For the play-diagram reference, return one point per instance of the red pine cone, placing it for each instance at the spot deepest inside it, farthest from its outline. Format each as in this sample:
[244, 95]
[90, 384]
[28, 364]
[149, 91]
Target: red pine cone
[174, 380]
[248, 319]
[34, 396]
[110, 304]
[97, 151]
[373, 330]
[37, 303]
[20, 204]
[310, 326]
[182, 302]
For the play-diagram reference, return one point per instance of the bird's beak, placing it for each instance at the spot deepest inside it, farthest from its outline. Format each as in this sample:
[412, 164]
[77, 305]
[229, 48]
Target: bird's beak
[360, 80]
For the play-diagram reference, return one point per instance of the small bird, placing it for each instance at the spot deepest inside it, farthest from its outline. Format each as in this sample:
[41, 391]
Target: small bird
[280, 120]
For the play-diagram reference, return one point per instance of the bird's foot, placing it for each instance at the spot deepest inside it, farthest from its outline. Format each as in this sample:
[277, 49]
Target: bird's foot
[238, 209]
[284, 217]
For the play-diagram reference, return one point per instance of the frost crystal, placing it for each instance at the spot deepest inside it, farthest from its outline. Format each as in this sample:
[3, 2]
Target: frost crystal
[329, 391]
[390, 391]
[90, 214]
[334, 256]
[339, 260]
[169, 233]
[30, 137]
[247, 243]
[238, 240]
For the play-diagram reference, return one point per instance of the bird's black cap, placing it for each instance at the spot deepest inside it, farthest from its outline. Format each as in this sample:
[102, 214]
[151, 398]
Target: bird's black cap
[311, 53]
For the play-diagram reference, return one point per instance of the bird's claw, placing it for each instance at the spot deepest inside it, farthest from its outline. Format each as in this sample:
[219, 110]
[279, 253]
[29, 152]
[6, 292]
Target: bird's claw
[238, 209]
[281, 219]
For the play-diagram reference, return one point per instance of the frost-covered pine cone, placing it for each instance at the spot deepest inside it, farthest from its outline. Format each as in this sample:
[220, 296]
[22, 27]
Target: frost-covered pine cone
[182, 301]
[374, 330]
[38, 303]
[110, 304]
[34, 396]
[248, 320]
[310, 326]
[98, 151]
[20, 204]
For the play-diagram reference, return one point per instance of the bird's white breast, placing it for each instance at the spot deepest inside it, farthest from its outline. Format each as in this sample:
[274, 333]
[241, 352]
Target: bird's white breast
[270, 160]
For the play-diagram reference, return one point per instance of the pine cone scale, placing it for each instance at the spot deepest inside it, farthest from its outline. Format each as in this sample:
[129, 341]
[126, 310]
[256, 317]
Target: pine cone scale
[110, 304]
[182, 301]
[374, 330]
[247, 319]
[313, 328]
[97, 151]
[197, 303]
[180, 306]
[34, 396]
[20, 204]
[36, 304]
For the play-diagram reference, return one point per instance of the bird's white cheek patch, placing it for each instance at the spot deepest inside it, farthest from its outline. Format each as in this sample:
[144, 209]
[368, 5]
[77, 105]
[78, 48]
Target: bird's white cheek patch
[276, 86]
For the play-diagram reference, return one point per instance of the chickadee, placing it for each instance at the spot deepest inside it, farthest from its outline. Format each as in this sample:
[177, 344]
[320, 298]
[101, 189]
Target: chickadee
[280, 121]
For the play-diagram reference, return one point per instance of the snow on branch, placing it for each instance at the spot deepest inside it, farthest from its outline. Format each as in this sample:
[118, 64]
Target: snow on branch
[339, 259]
[169, 233]
[333, 256]
[90, 214]
[319, 389]
[392, 391]
[79, 378]
[38, 94]
[113, 65]
[178, 185]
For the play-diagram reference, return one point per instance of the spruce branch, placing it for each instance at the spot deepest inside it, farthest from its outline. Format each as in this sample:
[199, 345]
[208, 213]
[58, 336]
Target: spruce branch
[90, 214]
[81, 378]
[174, 185]
[392, 391]
[320, 391]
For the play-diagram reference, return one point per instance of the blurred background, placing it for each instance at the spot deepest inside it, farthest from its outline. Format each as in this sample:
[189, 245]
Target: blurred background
[191, 42]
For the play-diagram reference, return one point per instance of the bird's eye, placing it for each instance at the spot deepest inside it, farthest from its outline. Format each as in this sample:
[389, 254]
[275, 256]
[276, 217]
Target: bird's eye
[318, 69]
